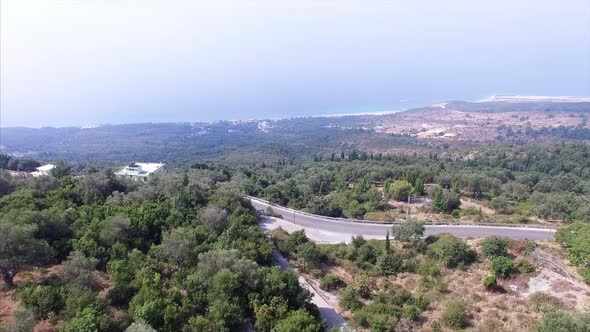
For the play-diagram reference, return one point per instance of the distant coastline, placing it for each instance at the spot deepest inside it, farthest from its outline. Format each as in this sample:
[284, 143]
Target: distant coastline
[494, 98]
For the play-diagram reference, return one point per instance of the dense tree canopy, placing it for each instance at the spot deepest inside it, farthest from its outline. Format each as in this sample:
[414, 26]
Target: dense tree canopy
[551, 182]
[177, 253]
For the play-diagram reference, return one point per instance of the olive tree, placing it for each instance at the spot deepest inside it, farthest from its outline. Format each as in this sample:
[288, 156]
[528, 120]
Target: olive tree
[399, 190]
[78, 269]
[177, 245]
[408, 231]
[19, 248]
[214, 218]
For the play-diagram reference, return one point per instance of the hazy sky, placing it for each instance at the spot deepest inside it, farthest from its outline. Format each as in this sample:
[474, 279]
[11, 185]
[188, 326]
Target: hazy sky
[84, 62]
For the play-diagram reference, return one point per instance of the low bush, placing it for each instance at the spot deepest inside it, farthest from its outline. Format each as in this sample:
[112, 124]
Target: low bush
[422, 302]
[390, 264]
[575, 238]
[502, 266]
[331, 282]
[43, 299]
[494, 246]
[436, 327]
[380, 323]
[525, 266]
[428, 268]
[362, 286]
[271, 213]
[361, 317]
[451, 251]
[471, 211]
[349, 299]
[561, 321]
[490, 281]
[378, 316]
[400, 296]
[529, 247]
[455, 314]
[411, 312]
[541, 302]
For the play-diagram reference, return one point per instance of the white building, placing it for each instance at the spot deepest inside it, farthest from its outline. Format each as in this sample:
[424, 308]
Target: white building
[44, 170]
[140, 171]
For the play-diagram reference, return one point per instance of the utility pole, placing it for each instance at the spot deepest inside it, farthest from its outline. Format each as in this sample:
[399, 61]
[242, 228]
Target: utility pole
[408, 209]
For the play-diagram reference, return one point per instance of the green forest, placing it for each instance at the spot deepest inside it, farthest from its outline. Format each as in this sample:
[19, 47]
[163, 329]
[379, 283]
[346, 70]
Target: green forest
[170, 255]
[85, 251]
[373, 295]
[521, 183]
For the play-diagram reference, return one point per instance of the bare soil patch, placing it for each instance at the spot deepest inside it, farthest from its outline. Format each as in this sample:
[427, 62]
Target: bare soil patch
[573, 294]
[467, 202]
[7, 305]
[445, 124]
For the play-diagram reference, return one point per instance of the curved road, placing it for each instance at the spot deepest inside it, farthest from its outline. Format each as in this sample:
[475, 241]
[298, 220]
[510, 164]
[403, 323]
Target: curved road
[329, 230]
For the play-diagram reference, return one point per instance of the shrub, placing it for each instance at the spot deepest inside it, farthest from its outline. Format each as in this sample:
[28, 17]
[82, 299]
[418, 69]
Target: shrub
[299, 320]
[400, 297]
[422, 302]
[428, 268]
[143, 327]
[436, 327]
[309, 254]
[349, 299]
[541, 302]
[278, 235]
[490, 281]
[561, 321]
[494, 246]
[361, 317]
[411, 312]
[455, 315]
[575, 238]
[399, 190]
[524, 266]
[410, 265]
[470, 211]
[502, 266]
[295, 240]
[24, 319]
[84, 321]
[76, 299]
[408, 231]
[529, 247]
[451, 251]
[379, 323]
[78, 269]
[390, 264]
[364, 255]
[43, 299]
[378, 316]
[331, 282]
[271, 213]
[362, 286]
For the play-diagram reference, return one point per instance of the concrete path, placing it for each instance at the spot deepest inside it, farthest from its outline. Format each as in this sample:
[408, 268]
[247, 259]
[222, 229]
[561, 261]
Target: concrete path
[326, 311]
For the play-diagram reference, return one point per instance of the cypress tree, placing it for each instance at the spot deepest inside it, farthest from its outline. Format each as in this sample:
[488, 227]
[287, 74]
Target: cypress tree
[419, 187]
[439, 203]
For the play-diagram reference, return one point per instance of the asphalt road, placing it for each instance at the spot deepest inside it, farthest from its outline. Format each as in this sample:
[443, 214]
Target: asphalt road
[328, 230]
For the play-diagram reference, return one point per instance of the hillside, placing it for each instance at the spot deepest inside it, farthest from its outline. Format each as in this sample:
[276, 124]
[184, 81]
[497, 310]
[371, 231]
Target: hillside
[445, 125]
[492, 121]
